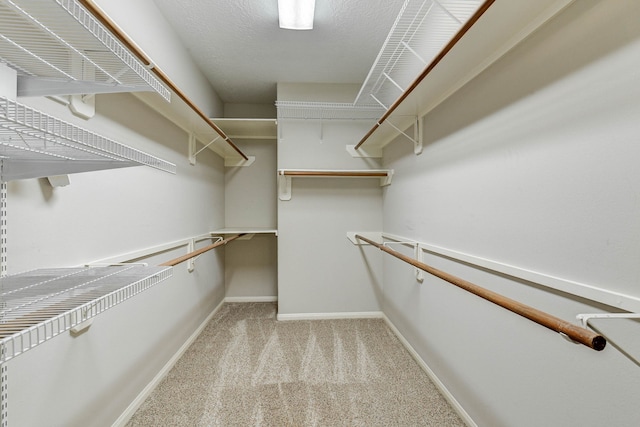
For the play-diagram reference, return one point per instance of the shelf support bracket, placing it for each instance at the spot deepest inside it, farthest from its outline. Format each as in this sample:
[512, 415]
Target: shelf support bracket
[284, 187]
[191, 262]
[193, 145]
[416, 139]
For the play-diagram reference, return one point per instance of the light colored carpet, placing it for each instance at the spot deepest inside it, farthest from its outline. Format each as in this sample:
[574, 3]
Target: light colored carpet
[247, 369]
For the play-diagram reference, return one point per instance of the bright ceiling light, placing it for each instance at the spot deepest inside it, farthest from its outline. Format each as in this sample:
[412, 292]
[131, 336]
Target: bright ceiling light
[296, 14]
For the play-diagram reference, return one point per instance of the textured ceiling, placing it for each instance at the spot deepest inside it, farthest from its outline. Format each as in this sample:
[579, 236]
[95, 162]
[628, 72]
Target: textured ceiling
[243, 52]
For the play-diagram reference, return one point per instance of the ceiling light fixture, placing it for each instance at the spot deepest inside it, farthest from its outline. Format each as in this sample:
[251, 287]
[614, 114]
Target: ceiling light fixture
[296, 14]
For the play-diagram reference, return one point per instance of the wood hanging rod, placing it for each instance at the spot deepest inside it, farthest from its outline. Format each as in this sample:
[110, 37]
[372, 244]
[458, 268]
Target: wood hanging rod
[200, 251]
[120, 35]
[474, 18]
[334, 173]
[575, 333]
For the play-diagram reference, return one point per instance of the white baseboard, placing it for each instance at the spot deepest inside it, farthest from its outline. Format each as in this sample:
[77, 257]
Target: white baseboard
[331, 316]
[124, 418]
[432, 376]
[251, 299]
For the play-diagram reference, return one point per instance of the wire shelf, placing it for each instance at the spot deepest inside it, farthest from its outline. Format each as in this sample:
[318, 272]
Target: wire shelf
[60, 40]
[327, 110]
[421, 30]
[38, 305]
[30, 138]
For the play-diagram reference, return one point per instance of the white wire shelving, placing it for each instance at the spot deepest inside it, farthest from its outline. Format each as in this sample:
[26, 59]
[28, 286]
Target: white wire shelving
[59, 48]
[327, 110]
[41, 304]
[419, 33]
[484, 31]
[34, 144]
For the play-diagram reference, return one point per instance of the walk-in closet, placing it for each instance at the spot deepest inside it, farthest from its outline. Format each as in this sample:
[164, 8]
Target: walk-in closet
[386, 213]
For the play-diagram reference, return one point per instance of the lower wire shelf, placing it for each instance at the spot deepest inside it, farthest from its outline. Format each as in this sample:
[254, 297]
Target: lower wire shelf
[38, 305]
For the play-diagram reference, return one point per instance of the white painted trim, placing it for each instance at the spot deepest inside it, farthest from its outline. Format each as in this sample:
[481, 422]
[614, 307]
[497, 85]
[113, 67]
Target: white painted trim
[124, 418]
[432, 376]
[251, 299]
[331, 316]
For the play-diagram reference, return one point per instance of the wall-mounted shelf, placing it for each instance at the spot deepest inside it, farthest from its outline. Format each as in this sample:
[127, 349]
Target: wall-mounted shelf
[494, 29]
[285, 176]
[247, 232]
[34, 144]
[248, 128]
[59, 48]
[421, 30]
[40, 304]
[327, 111]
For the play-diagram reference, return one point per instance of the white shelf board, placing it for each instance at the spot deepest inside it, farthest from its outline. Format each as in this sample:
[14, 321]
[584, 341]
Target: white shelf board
[245, 230]
[505, 24]
[248, 128]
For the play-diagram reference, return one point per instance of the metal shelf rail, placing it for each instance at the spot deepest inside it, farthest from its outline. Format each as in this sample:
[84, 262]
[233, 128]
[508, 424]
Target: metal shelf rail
[573, 332]
[41, 304]
[34, 144]
[59, 48]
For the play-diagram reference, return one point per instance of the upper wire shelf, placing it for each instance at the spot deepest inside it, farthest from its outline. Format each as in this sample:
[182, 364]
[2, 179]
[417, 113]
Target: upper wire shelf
[38, 305]
[58, 46]
[34, 144]
[421, 30]
[327, 110]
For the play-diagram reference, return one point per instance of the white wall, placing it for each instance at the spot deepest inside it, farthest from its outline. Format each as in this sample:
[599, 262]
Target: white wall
[143, 23]
[250, 201]
[319, 270]
[532, 164]
[90, 380]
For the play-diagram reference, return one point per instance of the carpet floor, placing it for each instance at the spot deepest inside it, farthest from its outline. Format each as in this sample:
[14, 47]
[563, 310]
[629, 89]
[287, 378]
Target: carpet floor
[247, 369]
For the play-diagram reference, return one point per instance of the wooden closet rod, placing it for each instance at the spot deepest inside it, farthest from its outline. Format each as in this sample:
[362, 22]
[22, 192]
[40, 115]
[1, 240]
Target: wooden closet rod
[575, 333]
[193, 254]
[120, 35]
[429, 68]
[334, 173]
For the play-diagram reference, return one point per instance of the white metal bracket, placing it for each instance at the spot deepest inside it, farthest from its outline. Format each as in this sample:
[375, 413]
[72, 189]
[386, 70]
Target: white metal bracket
[193, 145]
[191, 262]
[81, 327]
[416, 139]
[419, 257]
[81, 106]
[192, 149]
[584, 318]
[284, 187]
